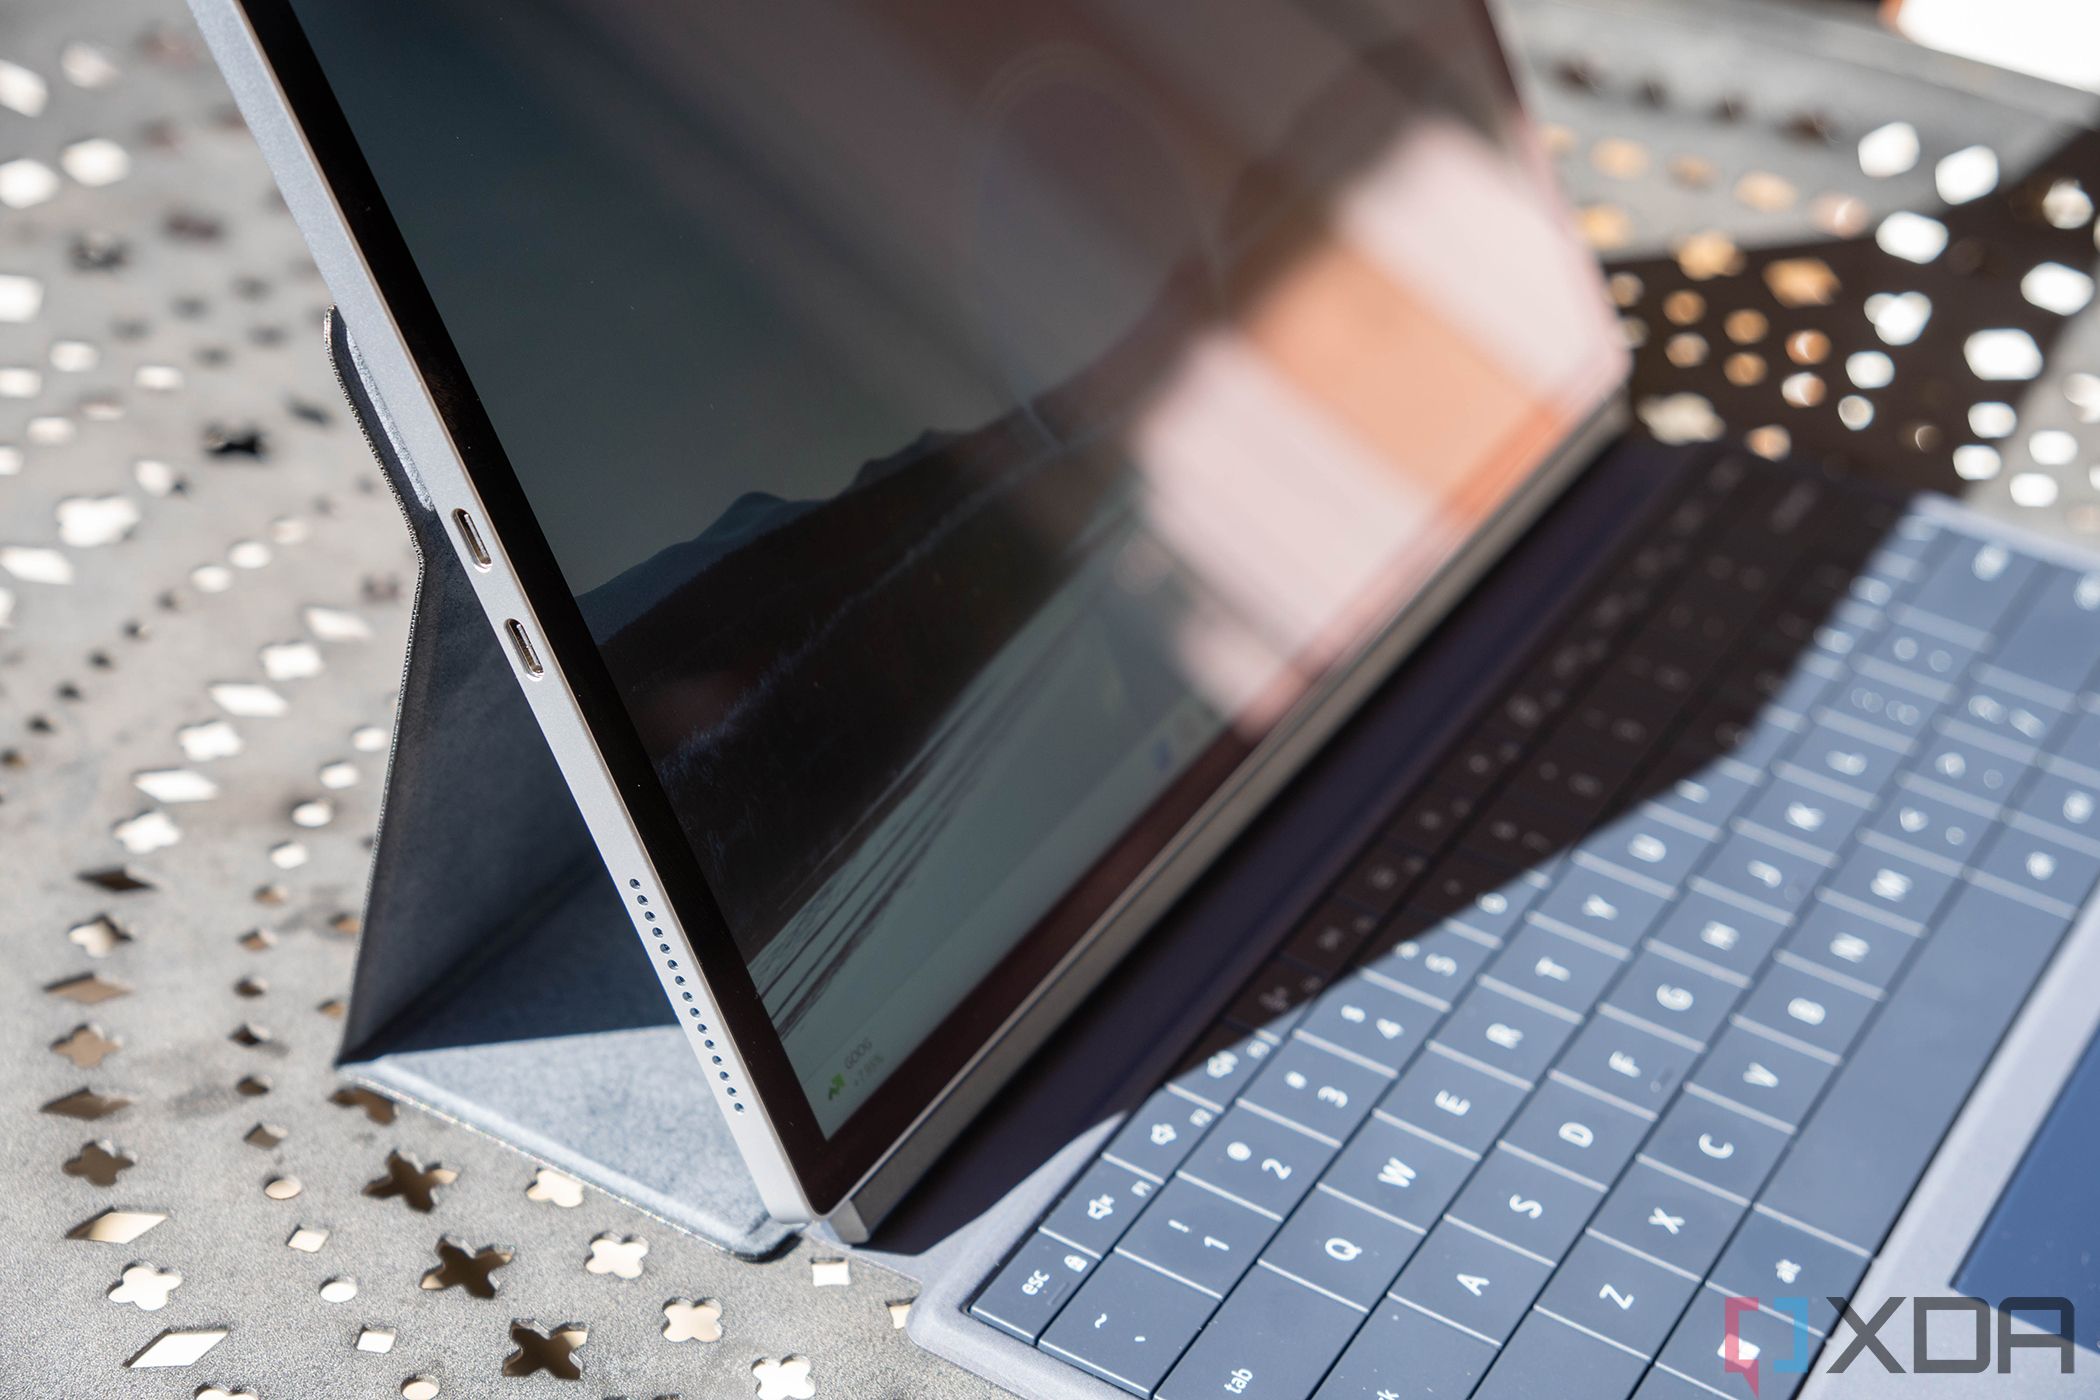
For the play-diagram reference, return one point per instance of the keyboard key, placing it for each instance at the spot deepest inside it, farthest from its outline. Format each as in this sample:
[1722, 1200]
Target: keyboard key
[1772, 876]
[1930, 658]
[1329, 939]
[1484, 895]
[1716, 1145]
[1369, 1019]
[1898, 714]
[1575, 774]
[1440, 963]
[1276, 998]
[1404, 1174]
[1577, 1131]
[1668, 1217]
[1809, 1009]
[1622, 716]
[1382, 877]
[1642, 843]
[1794, 811]
[1099, 1207]
[1128, 1324]
[1403, 1355]
[1741, 728]
[1706, 790]
[2078, 742]
[1224, 1062]
[1259, 1160]
[1160, 1132]
[1432, 819]
[1471, 1281]
[1984, 777]
[2066, 803]
[1783, 678]
[1026, 1294]
[1343, 1248]
[1930, 824]
[1556, 968]
[1856, 1159]
[1453, 1101]
[2040, 865]
[1316, 1089]
[1850, 944]
[1523, 833]
[1627, 1298]
[1479, 760]
[1627, 1062]
[1272, 1340]
[1695, 1351]
[1527, 1204]
[1539, 1361]
[2019, 724]
[1666, 993]
[1601, 905]
[1198, 1236]
[1760, 1073]
[1770, 1258]
[1842, 756]
[1513, 1036]
[1906, 889]
[1974, 583]
[2063, 604]
[1721, 932]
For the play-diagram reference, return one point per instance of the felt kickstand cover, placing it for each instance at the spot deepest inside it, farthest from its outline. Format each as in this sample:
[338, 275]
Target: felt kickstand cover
[499, 982]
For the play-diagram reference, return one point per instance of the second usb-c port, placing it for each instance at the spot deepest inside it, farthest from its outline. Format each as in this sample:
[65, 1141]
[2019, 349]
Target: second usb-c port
[528, 659]
[470, 540]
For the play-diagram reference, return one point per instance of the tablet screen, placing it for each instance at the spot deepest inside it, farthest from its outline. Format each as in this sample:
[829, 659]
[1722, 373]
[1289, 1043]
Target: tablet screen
[967, 430]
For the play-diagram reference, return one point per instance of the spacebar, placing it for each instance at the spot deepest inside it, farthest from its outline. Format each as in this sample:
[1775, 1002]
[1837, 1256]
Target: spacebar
[1863, 1149]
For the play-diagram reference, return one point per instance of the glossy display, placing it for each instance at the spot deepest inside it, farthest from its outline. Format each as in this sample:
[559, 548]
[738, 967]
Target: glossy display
[967, 431]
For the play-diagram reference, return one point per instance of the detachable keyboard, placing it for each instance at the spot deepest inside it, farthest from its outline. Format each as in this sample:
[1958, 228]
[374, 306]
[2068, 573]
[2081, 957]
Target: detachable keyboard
[1663, 988]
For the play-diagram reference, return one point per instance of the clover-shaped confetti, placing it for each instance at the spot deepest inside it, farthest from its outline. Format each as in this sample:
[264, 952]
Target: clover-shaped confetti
[375, 1107]
[555, 1188]
[552, 1350]
[784, 1379]
[618, 1255]
[98, 937]
[99, 1162]
[462, 1266]
[86, 1045]
[409, 1179]
[145, 1287]
[686, 1320]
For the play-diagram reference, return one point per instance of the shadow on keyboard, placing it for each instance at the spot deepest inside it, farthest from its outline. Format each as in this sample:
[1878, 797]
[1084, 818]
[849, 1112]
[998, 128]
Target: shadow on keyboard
[1661, 989]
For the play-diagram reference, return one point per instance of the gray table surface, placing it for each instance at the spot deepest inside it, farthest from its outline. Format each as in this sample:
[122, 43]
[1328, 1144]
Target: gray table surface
[202, 611]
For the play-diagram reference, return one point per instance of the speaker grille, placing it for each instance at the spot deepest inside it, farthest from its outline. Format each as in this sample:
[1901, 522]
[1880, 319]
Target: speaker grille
[682, 981]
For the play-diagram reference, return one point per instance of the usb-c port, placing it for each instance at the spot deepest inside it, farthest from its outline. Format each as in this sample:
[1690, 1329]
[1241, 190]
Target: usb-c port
[528, 659]
[470, 540]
